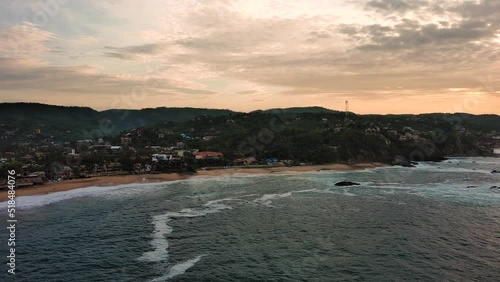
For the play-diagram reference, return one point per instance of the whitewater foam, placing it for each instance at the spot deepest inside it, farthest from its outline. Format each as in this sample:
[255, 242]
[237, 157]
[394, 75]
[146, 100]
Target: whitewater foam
[159, 241]
[111, 191]
[267, 199]
[161, 228]
[178, 269]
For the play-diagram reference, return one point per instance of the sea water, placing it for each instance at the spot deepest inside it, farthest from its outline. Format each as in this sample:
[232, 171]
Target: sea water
[434, 222]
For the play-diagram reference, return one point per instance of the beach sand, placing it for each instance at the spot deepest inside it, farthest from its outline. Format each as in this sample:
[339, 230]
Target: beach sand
[104, 181]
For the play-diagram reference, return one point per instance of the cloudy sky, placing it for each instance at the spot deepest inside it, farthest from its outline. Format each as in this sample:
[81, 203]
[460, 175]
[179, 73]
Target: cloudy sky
[383, 56]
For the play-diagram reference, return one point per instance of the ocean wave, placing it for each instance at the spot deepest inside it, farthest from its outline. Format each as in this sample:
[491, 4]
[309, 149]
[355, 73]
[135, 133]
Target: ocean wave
[178, 269]
[112, 191]
[126, 190]
[123, 190]
[267, 199]
[159, 240]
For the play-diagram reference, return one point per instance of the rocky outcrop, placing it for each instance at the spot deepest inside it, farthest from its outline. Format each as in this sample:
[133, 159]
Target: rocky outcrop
[402, 161]
[346, 183]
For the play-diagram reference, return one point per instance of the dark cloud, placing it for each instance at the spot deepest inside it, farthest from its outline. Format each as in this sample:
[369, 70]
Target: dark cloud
[123, 56]
[468, 36]
[382, 48]
[133, 52]
[27, 74]
[140, 49]
[404, 36]
[396, 5]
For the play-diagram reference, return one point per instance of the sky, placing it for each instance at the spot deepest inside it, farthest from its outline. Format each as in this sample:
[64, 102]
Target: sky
[383, 56]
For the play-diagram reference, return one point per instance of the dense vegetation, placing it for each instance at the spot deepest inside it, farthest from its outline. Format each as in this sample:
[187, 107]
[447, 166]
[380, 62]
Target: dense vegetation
[70, 122]
[300, 135]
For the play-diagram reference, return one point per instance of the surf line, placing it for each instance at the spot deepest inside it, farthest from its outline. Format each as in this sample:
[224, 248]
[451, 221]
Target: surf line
[162, 229]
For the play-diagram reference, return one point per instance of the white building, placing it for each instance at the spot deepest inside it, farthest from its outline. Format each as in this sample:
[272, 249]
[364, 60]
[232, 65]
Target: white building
[161, 157]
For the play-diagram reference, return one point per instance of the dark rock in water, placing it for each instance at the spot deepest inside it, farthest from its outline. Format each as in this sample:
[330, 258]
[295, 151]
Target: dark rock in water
[346, 183]
[472, 186]
[402, 161]
[495, 171]
[495, 187]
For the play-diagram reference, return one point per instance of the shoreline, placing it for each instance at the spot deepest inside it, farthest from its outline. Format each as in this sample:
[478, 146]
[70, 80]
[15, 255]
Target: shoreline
[108, 181]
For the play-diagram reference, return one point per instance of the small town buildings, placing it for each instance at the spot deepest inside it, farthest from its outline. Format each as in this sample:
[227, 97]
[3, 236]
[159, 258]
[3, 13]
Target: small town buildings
[116, 148]
[100, 148]
[161, 157]
[272, 160]
[180, 153]
[208, 155]
[180, 145]
[125, 140]
[84, 142]
[208, 138]
[246, 161]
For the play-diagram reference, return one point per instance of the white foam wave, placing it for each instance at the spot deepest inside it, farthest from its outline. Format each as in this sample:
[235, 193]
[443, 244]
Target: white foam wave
[268, 198]
[124, 190]
[178, 269]
[111, 191]
[159, 241]
[161, 228]
[349, 194]
[135, 188]
[443, 168]
[336, 192]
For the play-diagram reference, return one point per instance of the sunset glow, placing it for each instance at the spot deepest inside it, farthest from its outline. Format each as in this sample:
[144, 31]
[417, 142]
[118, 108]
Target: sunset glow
[383, 56]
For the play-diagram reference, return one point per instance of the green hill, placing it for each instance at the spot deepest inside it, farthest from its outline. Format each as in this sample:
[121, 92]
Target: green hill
[64, 121]
[300, 110]
[69, 122]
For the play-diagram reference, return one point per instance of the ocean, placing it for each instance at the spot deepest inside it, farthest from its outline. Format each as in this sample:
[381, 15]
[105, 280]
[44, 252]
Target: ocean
[434, 222]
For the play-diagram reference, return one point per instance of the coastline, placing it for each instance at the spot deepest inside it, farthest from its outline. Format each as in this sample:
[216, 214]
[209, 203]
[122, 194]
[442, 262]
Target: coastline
[107, 181]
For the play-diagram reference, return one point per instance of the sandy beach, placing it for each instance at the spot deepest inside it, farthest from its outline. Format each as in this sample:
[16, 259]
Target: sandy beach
[104, 181]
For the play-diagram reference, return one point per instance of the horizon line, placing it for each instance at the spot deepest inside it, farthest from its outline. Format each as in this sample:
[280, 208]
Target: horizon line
[235, 111]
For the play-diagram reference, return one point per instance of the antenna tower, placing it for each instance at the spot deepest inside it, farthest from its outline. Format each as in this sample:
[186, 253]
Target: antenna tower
[346, 111]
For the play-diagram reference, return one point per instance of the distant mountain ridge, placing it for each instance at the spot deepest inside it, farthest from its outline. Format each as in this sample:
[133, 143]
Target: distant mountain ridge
[35, 115]
[63, 119]
[300, 110]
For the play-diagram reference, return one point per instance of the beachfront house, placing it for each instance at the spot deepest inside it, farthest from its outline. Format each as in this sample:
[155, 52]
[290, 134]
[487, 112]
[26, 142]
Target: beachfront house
[272, 160]
[245, 161]
[116, 149]
[208, 155]
[161, 157]
[125, 140]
